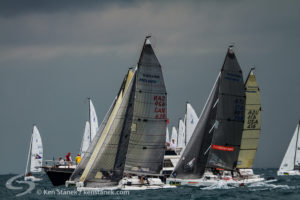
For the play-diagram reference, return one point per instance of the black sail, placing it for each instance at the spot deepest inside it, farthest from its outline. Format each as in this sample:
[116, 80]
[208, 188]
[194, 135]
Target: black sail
[192, 163]
[148, 129]
[216, 139]
[226, 140]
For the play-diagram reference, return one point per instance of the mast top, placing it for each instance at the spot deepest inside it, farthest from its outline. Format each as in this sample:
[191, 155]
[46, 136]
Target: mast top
[230, 49]
[148, 39]
[251, 70]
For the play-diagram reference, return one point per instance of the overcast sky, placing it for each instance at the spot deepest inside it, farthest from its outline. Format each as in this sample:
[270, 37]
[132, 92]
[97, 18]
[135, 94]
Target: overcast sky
[55, 54]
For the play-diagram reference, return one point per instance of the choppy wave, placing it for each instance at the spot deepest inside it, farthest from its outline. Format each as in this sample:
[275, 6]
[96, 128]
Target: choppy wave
[279, 188]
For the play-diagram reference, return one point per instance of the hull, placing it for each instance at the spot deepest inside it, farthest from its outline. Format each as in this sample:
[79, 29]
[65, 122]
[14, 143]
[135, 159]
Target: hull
[246, 177]
[58, 176]
[32, 178]
[202, 182]
[133, 183]
[288, 173]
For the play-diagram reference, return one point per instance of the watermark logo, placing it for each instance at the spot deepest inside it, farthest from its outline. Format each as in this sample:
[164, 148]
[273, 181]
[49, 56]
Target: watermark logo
[9, 185]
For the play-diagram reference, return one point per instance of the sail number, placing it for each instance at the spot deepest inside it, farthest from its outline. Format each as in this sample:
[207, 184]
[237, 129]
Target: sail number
[252, 120]
[160, 107]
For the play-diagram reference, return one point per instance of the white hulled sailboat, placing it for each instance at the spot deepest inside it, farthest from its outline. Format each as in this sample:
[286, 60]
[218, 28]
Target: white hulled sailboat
[290, 164]
[35, 156]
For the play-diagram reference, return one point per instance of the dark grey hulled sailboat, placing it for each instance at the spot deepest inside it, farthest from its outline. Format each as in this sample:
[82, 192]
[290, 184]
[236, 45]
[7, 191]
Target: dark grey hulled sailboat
[134, 136]
[216, 139]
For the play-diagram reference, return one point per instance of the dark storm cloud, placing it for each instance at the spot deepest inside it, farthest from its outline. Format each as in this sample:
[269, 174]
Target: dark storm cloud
[55, 54]
[11, 8]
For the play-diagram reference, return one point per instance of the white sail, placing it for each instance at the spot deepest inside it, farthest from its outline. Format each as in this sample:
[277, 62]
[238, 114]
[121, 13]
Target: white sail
[167, 135]
[297, 157]
[174, 135]
[181, 134]
[191, 121]
[36, 151]
[85, 139]
[93, 120]
[288, 161]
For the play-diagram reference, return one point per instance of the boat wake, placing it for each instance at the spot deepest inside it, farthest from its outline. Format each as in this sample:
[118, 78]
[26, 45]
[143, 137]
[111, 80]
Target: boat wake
[258, 186]
[267, 185]
[219, 185]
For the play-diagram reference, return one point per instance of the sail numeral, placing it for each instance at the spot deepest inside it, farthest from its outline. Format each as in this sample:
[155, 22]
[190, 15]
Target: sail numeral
[252, 120]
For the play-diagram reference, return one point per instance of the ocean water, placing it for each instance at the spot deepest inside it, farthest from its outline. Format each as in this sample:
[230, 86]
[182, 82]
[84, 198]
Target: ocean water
[287, 188]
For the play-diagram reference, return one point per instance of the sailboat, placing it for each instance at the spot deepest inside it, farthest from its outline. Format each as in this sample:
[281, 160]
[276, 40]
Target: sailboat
[190, 122]
[290, 164]
[59, 174]
[35, 156]
[251, 131]
[174, 136]
[181, 134]
[185, 130]
[132, 144]
[91, 128]
[212, 152]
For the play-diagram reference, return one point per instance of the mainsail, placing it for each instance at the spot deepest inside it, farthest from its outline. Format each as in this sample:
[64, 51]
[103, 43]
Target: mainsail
[216, 139]
[86, 139]
[226, 140]
[174, 135]
[93, 120]
[146, 147]
[35, 152]
[252, 123]
[181, 134]
[190, 122]
[292, 155]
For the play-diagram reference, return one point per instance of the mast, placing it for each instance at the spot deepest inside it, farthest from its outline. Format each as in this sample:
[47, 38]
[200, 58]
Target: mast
[185, 123]
[29, 153]
[90, 119]
[296, 146]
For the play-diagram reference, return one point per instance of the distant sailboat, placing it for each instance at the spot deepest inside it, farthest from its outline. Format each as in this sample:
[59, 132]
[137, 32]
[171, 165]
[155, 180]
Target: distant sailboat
[35, 156]
[91, 128]
[58, 173]
[174, 135]
[181, 134]
[93, 120]
[290, 164]
[190, 122]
